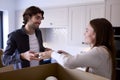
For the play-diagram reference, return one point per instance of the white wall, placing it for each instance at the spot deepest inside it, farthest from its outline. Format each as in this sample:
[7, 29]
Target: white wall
[8, 8]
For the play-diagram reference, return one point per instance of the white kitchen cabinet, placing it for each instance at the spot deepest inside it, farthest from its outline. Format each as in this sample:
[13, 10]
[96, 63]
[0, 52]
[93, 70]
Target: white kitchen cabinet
[96, 11]
[55, 17]
[113, 11]
[79, 19]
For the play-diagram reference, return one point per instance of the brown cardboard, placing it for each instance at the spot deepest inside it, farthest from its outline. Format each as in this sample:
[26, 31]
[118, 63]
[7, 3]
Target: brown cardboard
[43, 71]
[7, 68]
[1, 52]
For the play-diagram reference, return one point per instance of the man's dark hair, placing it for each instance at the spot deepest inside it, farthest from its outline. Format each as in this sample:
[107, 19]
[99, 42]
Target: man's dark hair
[30, 11]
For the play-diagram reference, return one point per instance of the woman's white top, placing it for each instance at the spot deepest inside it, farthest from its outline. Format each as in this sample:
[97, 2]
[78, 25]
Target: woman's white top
[98, 59]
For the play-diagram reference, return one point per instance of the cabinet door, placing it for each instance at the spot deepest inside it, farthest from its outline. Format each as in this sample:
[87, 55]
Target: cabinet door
[79, 19]
[96, 11]
[113, 11]
[77, 22]
[55, 17]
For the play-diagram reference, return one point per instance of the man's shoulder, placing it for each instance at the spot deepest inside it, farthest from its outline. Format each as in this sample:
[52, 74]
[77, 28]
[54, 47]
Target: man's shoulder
[16, 32]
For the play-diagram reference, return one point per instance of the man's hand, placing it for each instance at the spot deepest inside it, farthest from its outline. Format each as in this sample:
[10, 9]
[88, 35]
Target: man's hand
[45, 55]
[29, 55]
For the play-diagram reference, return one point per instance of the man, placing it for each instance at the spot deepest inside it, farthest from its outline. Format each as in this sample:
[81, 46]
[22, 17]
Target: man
[24, 44]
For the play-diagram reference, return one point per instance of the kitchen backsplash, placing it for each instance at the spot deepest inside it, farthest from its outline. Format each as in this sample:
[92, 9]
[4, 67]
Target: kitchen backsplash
[57, 39]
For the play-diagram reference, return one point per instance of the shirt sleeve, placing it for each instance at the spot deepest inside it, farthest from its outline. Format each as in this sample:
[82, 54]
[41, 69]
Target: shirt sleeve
[10, 55]
[90, 59]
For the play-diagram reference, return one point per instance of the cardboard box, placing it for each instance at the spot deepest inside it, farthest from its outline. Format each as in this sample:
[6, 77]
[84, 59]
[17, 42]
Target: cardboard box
[43, 71]
[6, 69]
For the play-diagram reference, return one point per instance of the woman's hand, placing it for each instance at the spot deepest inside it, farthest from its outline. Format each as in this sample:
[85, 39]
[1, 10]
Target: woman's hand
[47, 49]
[62, 52]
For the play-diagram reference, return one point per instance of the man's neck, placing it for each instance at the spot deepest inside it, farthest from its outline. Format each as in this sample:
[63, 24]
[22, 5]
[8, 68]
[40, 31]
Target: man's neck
[29, 30]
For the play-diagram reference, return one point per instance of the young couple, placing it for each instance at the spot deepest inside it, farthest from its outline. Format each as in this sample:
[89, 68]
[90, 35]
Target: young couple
[23, 44]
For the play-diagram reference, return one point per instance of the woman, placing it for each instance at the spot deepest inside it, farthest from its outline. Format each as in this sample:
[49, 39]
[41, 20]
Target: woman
[100, 58]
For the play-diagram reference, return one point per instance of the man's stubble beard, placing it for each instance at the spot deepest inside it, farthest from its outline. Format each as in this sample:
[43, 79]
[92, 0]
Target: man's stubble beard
[34, 27]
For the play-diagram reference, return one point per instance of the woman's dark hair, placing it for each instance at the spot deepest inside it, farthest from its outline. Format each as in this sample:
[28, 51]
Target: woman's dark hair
[105, 36]
[30, 11]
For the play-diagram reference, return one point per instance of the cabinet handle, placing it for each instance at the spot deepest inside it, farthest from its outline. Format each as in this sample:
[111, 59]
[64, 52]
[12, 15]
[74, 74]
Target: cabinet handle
[51, 23]
[85, 43]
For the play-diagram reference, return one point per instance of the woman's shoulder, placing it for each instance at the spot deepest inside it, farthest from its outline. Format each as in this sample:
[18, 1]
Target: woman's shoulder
[100, 47]
[101, 50]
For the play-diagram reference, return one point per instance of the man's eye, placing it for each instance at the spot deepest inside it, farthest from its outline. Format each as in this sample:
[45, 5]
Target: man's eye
[39, 18]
